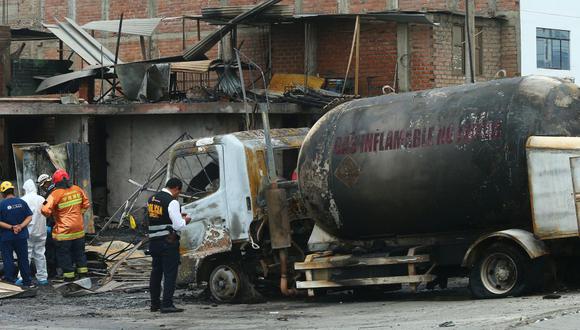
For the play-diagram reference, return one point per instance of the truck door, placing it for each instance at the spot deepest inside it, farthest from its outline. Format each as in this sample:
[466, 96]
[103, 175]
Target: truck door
[554, 179]
[203, 198]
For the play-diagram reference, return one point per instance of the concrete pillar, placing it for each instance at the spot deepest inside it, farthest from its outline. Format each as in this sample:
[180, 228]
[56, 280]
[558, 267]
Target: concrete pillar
[5, 61]
[71, 129]
[311, 49]
[492, 4]
[343, 6]
[105, 10]
[152, 11]
[470, 41]
[72, 9]
[403, 58]
[298, 6]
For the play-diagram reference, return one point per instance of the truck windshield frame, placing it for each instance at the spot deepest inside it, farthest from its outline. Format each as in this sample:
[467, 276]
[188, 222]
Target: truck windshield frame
[199, 170]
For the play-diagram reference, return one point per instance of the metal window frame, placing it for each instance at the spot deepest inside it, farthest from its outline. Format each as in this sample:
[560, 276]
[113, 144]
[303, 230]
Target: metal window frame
[559, 39]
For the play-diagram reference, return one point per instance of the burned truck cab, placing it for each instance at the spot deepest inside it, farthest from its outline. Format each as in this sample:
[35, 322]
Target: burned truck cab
[224, 179]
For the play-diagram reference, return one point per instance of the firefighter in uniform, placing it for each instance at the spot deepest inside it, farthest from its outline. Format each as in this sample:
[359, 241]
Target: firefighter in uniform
[165, 222]
[67, 203]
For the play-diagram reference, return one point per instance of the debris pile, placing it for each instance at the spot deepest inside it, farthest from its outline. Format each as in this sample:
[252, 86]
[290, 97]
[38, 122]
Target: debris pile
[188, 77]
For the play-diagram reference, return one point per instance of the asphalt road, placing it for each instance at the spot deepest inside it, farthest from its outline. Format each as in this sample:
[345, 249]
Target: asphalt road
[450, 308]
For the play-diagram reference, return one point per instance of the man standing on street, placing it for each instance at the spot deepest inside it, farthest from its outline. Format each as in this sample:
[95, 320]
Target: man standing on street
[36, 232]
[67, 203]
[46, 186]
[165, 222]
[15, 215]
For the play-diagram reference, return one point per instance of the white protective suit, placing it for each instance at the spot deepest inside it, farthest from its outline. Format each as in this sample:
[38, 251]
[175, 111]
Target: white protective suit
[36, 230]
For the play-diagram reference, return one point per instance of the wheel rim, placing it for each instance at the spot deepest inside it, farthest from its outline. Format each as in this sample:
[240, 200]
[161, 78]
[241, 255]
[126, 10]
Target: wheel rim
[499, 273]
[224, 283]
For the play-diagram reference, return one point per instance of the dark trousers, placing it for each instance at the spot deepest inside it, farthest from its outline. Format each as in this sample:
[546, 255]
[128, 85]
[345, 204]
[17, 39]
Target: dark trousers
[50, 255]
[165, 257]
[20, 246]
[69, 254]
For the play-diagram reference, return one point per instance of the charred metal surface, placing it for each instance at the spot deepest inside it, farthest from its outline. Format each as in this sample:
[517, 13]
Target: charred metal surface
[47, 109]
[222, 219]
[198, 241]
[278, 221]
[434, 161]
[534, 247]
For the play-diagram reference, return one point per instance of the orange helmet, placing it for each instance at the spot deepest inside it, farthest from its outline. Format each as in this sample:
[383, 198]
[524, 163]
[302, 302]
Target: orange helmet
[59, 175]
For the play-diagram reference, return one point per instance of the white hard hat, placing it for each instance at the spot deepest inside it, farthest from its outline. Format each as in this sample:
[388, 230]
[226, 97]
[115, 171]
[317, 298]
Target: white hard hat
[43, 178]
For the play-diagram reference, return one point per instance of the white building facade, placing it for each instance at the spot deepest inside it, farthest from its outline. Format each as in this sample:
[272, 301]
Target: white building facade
[550, 38]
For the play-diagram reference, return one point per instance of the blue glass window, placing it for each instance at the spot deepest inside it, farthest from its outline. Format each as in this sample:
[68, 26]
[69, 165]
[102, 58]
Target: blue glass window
[553, 49]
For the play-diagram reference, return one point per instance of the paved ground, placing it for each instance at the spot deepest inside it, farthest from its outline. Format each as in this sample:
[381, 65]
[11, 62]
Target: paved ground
[398, 310]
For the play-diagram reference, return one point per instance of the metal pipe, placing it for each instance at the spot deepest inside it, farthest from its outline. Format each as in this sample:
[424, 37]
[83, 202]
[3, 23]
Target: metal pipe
[117, 53]
[284, 274]
[241, 72]
[265, 109]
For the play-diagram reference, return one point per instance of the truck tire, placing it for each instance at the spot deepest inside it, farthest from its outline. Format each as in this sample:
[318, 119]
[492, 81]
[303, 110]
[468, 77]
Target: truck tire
[502, 270]
[227, 283]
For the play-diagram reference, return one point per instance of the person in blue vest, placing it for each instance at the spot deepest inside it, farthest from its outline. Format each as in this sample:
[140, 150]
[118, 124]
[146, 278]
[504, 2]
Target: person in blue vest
[15, 215]
[165, 224]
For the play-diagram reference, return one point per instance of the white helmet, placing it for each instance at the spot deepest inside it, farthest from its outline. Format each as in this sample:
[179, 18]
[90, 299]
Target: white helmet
[43, 178]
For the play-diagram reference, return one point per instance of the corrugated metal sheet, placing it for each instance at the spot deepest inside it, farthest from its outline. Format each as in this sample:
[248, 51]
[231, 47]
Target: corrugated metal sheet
[82, 43]
[55, 81]
[198, 50]
[138, 26]
[233, 11]
[552, 170]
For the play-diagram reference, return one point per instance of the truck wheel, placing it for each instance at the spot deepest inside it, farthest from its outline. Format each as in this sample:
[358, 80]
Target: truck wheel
[227, 283]
[502, 270]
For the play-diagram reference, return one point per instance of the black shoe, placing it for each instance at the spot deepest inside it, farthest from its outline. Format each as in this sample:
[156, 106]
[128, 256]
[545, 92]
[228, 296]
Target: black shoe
[154, 308]
[171, 309]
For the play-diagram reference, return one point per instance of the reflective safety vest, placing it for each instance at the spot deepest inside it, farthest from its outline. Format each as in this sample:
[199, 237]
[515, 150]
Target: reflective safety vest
[67, 206]
[160, 223]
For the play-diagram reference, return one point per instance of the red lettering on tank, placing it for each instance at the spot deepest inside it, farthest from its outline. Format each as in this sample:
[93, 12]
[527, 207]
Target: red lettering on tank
[397, 139]
[338, 146]
[352, 148]
[496, 130]
[408, 139]
[368, 142]
[416, 138]
[389, 142]
[448, 139]
[430, 136]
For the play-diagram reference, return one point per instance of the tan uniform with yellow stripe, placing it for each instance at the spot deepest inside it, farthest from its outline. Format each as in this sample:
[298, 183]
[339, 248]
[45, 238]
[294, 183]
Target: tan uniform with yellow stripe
[67, 206]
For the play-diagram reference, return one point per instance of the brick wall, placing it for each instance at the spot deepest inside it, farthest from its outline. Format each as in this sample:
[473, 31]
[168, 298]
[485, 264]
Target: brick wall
[421, 57]
[509, 50]
[378, 53]
[288, 48]
[442, 50]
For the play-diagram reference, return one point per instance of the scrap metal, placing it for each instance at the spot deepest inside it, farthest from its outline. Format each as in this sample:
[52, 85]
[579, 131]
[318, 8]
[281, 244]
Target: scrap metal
[82, 43]
[139, 26]
[198, 50]
[233, 11]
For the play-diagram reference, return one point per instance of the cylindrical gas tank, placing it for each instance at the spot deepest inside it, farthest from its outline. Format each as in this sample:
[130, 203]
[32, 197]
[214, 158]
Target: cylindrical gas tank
[443, 160]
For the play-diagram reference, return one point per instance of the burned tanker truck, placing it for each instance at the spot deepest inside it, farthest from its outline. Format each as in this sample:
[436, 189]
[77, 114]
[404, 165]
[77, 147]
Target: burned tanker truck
[478, 181]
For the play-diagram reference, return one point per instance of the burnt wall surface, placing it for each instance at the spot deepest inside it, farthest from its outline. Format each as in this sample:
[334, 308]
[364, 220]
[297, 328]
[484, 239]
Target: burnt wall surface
[134, 142]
